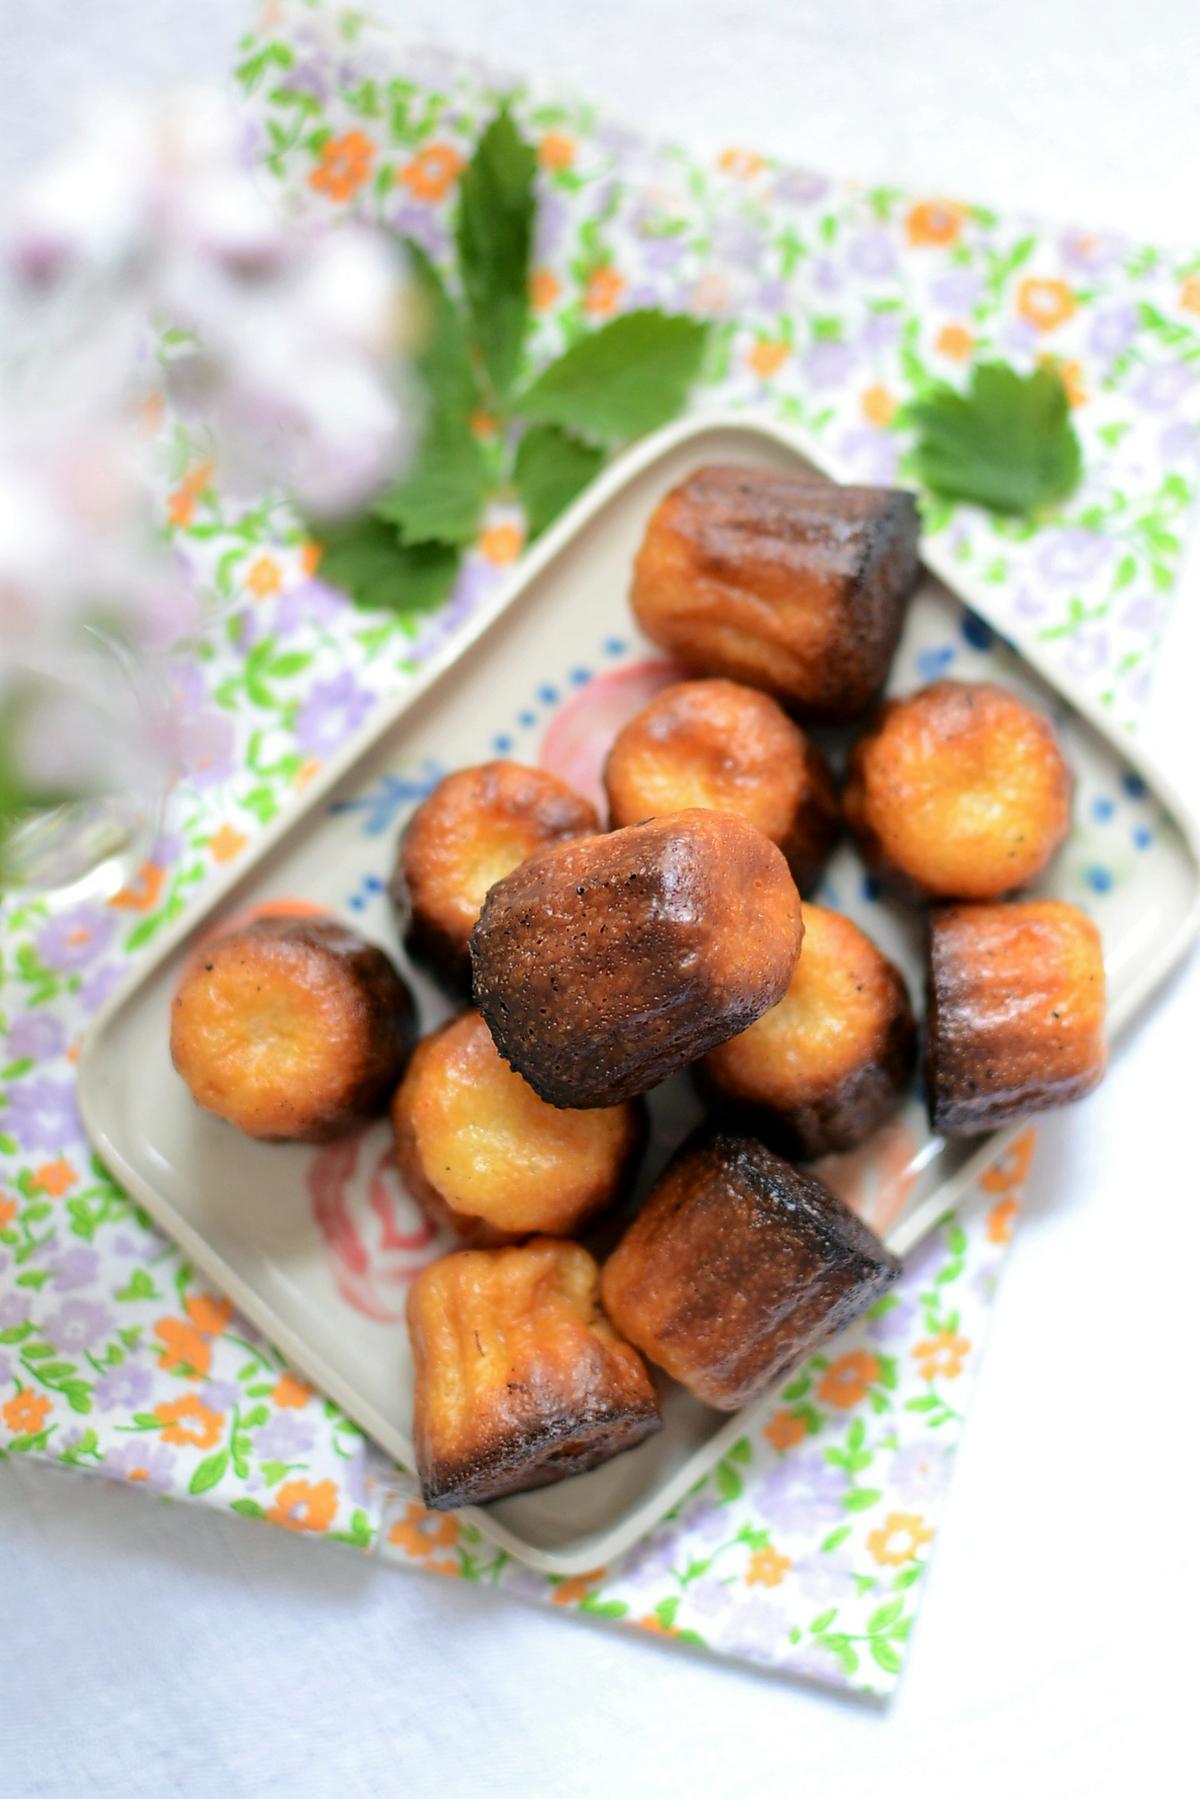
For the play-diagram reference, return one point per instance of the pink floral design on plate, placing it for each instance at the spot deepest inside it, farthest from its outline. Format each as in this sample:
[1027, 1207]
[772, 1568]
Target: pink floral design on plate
[580, 735]
[377, 1237]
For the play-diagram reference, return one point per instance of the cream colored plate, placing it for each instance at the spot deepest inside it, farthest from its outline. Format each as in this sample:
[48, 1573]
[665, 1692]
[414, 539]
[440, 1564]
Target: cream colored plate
[318, 1247]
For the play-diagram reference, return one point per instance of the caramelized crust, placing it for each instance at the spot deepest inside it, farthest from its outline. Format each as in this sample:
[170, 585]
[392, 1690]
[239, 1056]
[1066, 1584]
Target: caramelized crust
[490, 1159]
[520, 1380]
[832, 1060]
[292, 1028]
[959, 792]
[786, 582]
[1016, 1012]
[715, 744]
[606, 965]
[476, 826]
[736, 1267]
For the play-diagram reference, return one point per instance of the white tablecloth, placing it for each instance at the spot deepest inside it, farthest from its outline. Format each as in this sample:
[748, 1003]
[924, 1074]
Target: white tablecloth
[159, 1650]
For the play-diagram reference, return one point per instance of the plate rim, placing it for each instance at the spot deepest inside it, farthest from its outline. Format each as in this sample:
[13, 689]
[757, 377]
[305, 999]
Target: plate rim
[1157, 962]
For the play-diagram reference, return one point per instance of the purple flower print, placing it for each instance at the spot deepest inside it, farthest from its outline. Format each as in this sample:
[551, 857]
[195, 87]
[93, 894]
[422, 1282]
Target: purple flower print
[75, 938]
[354, 1476]
[711, 1597]
[1179, 442]
[307, 603]
[77, 1325]
[552, 218]
[873, 455]
[1112, 330]
[812, 1660]
[656, 1558]
[36, 1035]
[41, 1113]
[14, 1310]
[958, 290]
[221, 1395]
[1090, 252]
[826, 277]
[99, 984]
[425, 225]
[895, 1323]
[801, 1492]
[6, 1369]
[283, 1439]
[880, 331]
[78, 1267]
[1144, 613]
[1029, 604]
[1018, 337]
[1073, 555]
[737, 240]
[202, 736]
[755, 1625]
[800, 187]
[872, 254]
[826, 1579]
[331, 711]
[772, 296]
[124, 1388]
[141, 1460]
[920, 1472]
[1087, 653]
[642, 294]
[659, 254]
[828, 363]
[1160, 388]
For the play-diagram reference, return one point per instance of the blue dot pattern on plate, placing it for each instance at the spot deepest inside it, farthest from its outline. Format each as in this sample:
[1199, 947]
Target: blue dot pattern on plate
[502, 744]
[1098, 878]
[1103, 809]
[933, 663]
[977, 631]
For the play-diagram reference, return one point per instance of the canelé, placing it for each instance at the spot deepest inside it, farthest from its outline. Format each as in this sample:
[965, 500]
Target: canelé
[605, 965]
[292, 1028]
[520, 1379]
[727, 747]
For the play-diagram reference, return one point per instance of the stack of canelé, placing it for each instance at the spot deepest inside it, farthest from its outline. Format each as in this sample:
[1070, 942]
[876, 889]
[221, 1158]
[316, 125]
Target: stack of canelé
[602, 963]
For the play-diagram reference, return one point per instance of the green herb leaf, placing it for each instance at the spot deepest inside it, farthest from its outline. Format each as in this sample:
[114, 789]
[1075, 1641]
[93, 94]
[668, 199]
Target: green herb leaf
[1007, 443]
[367, 560]
[552, 467]
[440, 499]
[494, 236]
[622, 380]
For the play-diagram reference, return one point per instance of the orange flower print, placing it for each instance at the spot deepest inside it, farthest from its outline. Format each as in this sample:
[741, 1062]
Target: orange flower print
[8, 1210]
[289, 1392]
[934, 223]
[226, 843]
[768, 357]
[845, 1381]
[1044, 304]
[302, 1505]
[556, 150]
[420, 1532]
[186, 1342]
[898, 1539]
[181, 505]
[745, 164]
[941, 1357]
[263, 577]
[26, 1413]
[501, 543]
[445, 1566]
[955, 341]
[782, 1431]
[306, 771]
[603, 290]
[767, 1568]
[544, 289]
[878, 406]
[1189, 294]
[310, 556]
[570, 1592]
[344, 165]
[1000, 1220]
[654, 1624]
[55, 1178]
[1071, 376]
[144, 891]
[189, 1422]
[1012, 1170]
[150, 413]
[431, 174]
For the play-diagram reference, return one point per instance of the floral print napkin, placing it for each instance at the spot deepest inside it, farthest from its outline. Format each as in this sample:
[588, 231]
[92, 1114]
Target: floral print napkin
[804, 1550]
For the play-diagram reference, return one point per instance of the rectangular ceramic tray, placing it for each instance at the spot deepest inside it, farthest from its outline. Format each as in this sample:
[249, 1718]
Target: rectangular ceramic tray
[317, 1247]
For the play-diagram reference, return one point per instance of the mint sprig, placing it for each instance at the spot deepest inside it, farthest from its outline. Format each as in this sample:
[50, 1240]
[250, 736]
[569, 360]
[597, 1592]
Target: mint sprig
[551, 437]
[1007, 443]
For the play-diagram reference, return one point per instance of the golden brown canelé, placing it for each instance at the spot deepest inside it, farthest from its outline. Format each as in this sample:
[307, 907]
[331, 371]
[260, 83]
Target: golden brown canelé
[292, 1028]
[826, 1066]
[1015, 1018]
[737, 1266]
[729, 748]
[785, 582]
[476, 826]
[603, 966]
[485, 1156]
[959, 791]
[519, 1378]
